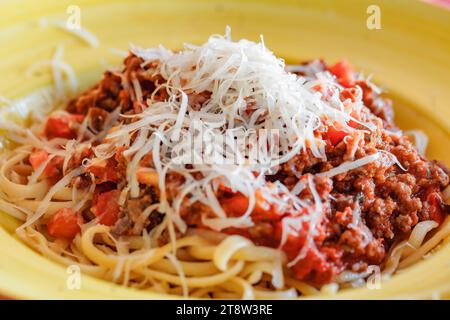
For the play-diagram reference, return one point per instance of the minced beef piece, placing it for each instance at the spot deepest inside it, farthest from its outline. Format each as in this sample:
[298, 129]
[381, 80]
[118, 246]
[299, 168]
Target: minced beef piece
[97, 118]
[116, 91]
[131, 221]
[379, 106]
[107, 95]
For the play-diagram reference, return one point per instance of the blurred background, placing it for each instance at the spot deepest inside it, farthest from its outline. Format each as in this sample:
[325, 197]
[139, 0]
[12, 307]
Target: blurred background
[445, 3]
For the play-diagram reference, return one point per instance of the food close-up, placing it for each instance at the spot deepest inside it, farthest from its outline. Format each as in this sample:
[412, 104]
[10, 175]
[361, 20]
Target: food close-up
[225, 156]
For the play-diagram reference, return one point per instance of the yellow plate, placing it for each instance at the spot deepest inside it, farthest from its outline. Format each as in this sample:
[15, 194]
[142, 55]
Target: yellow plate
[409, 56]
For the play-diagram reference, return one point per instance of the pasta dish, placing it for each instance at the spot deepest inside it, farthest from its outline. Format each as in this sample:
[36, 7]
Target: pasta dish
[219, 171]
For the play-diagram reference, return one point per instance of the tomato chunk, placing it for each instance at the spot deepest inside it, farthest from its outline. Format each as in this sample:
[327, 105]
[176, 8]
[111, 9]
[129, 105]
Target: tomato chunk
[53, 168]
[107, 207]
[62, 126]
[37, 158]
[104, 171]
[437, 212]
[318, 265]
[344, 73]
[65, 224]
[237, 205]
[335, 136]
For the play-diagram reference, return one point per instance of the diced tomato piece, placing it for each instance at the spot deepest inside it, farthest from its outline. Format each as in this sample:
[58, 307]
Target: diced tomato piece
[335, 136]
[436, 207]
[349, 93]
[65, 224]
[53, 168]
[37, 158]
[224, 188]
[356, 116]
[77, 117]
[237, 205]
[353, 123]
[62, 126]
[104, 171]
[344, 73]
[107, 207]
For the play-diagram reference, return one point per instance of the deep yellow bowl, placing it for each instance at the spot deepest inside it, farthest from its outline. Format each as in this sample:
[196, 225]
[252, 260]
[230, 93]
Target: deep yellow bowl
[409, 56]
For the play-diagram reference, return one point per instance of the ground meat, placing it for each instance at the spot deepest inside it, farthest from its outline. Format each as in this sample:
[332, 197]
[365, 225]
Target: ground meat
[115, 91]
[132, 221]
[356, 244]
[192, 213]
[154, 220]
[88, 215]
[122, 226]
[379, 106]
[97, 118]
[106, 95]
